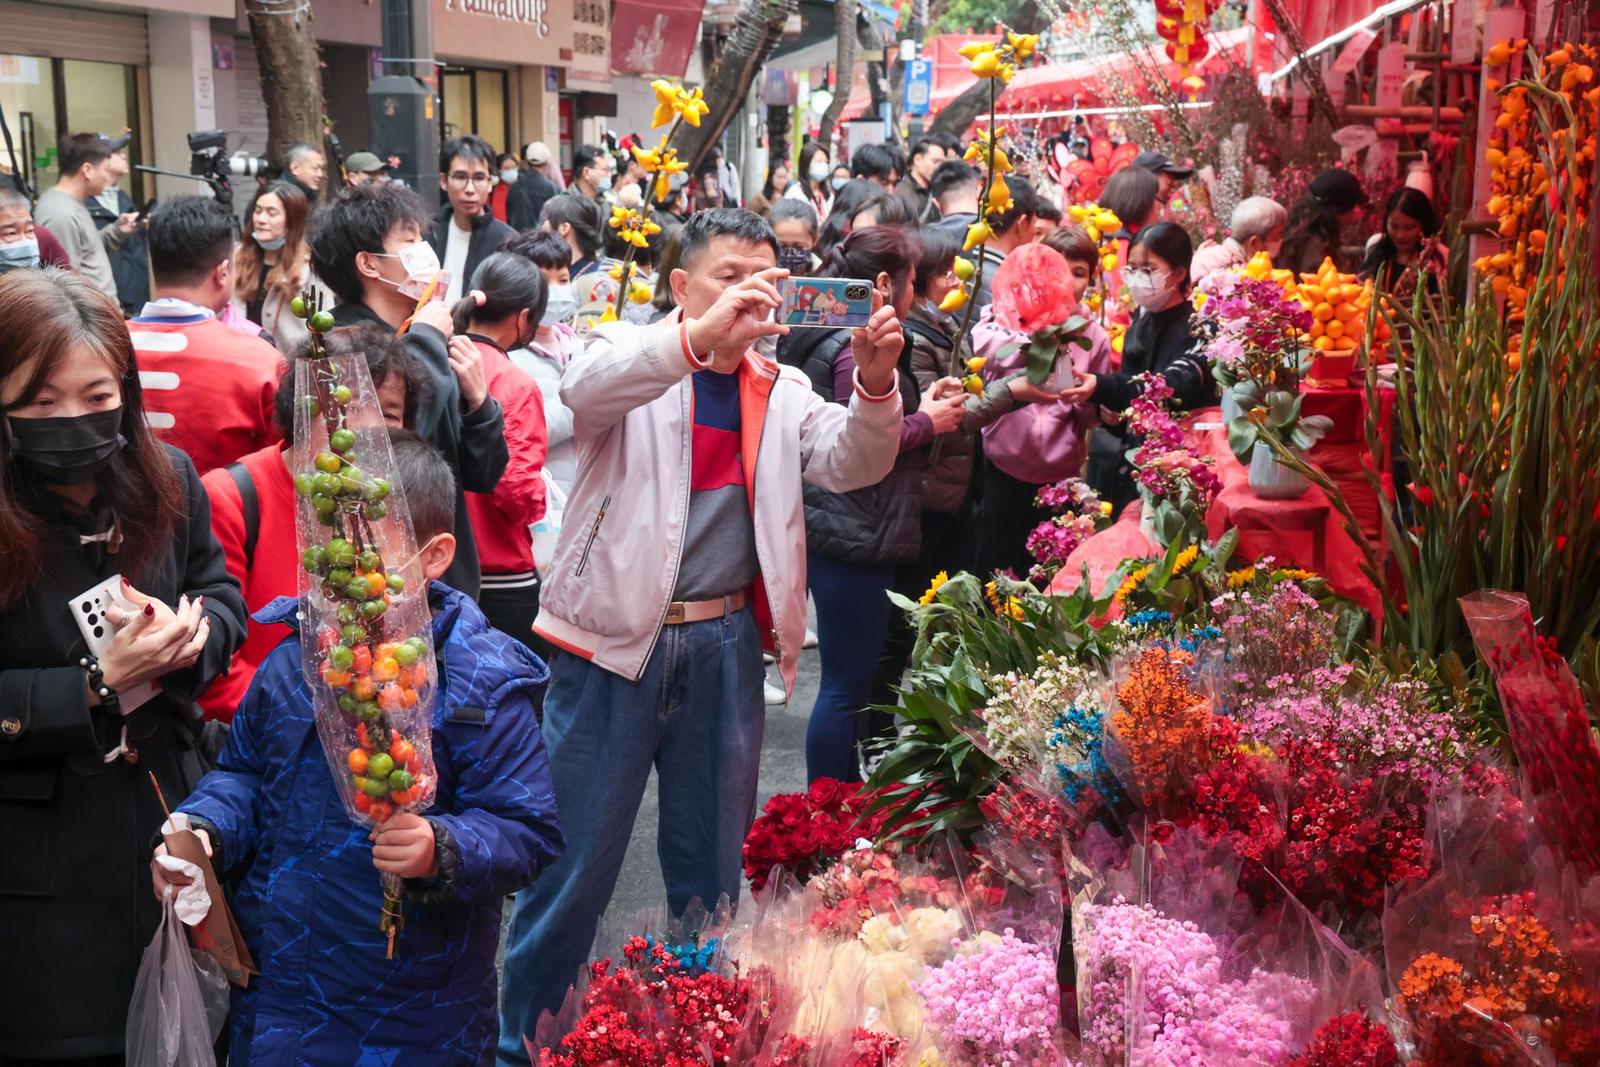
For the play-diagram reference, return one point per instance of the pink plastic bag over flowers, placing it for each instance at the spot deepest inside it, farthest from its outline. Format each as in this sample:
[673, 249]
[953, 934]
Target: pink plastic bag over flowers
[1033, 289]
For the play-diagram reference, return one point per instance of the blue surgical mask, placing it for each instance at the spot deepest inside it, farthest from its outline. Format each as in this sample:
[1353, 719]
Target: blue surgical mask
[838, 183]
[604, 184]
[510, 177]
[19, 254]
[561, 304]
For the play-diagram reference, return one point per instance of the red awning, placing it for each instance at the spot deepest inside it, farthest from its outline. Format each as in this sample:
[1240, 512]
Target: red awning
[654, 36]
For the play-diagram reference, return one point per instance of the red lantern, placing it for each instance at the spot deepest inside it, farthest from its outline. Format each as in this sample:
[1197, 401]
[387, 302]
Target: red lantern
[1199, 49]
[1172, 9]
[1168, 28]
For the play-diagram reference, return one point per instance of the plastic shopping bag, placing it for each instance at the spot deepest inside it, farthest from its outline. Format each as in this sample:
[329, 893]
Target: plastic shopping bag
[180, 1001]
[547, 531]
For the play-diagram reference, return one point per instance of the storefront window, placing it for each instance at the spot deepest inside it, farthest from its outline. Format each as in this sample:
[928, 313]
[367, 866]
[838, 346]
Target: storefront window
[43, 98]
[474, 100]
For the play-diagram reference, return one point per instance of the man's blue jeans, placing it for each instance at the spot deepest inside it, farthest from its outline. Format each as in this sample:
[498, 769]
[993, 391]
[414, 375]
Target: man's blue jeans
[697, 716]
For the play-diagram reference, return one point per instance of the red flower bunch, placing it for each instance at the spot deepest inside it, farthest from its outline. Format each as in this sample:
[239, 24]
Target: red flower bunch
[806, 832]
[868, 882]
[1026, 828]
[1515, 988]
[874, 1048]
[1332, 837]
[1349, 1040]
[1033, 289]
[653, 1014]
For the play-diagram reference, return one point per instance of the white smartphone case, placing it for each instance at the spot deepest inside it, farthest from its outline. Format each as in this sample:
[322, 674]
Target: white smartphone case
[89, 611]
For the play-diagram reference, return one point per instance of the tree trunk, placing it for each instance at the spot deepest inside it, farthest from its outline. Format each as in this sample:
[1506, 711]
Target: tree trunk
[756, 31]
[964, 110]
[291, 76]
[844, 71]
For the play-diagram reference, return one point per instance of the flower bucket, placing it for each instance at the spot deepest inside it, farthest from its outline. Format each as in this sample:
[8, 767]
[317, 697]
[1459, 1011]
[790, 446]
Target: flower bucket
[1231, 408]
[1271, 479]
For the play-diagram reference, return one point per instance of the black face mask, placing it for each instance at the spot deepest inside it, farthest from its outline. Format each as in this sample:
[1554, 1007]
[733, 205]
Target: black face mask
[67, 450]
[796, 261]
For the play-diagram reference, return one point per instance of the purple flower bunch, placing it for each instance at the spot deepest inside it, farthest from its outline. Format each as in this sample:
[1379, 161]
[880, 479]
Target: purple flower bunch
[1252, 329]
[1166, 468]
[1082, 513]
[1155, 990]
[1274, 632]
[1389, 728]
[994, 1002]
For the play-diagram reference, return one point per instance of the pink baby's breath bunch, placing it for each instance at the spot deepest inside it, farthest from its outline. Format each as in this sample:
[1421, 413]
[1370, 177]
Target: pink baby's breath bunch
[995, 1002]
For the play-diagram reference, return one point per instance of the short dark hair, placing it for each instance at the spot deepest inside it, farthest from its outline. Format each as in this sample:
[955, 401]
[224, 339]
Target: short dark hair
[1169, 241]
[1044, 209]
[852, 196]
[579, 212]
[471, 147]
[1130, 194]
[428, 483]
[500, 160]
[790, 209]
[76, 149]
[386, 357]
[584, 158]
[704, 226]
[920, 146]
[888, 209]
[936, 250]
[1074, 244]
[1024, 203]
[876, 161]
[509, 283]
[876, 250]
[949, 175]
[188, 236]
[359, 220]
[546, 249]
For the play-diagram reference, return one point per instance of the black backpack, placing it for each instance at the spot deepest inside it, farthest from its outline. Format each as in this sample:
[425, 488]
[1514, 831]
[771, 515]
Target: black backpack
[250, 505]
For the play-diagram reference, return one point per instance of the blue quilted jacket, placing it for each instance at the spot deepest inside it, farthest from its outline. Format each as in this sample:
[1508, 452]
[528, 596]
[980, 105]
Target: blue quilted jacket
[309, 898]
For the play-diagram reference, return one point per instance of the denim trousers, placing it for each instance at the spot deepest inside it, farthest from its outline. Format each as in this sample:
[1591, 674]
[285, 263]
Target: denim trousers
[853, 615]
[696, 716]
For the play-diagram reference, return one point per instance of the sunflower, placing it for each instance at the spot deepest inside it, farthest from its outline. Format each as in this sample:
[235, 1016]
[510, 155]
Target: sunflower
[1131, 582]
[937, 584]
[1186, 557]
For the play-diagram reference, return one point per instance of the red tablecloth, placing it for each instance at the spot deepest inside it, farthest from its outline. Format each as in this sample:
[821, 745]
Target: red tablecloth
[1305, 532]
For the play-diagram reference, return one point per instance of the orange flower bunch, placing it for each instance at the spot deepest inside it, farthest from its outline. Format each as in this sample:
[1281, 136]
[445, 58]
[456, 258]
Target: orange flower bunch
[1519, 978]
[1161, 722]
[1527, 200]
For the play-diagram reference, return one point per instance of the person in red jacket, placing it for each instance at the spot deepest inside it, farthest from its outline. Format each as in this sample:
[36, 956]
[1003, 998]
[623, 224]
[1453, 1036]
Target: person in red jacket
[253, 505]
[208, 389]
[501, 312]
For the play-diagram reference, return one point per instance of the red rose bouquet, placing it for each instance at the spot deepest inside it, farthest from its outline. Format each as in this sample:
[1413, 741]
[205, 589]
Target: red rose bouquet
[804, 833]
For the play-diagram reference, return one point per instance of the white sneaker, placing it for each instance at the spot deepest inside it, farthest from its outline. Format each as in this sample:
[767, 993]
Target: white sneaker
[768, 658]
[811, 639]
[775, 694]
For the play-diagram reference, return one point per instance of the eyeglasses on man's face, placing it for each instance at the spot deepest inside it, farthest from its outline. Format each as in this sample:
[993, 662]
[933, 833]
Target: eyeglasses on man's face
[463, 179]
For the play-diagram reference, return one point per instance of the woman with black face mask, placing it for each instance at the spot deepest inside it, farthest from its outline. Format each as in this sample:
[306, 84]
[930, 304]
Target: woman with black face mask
[87, 493]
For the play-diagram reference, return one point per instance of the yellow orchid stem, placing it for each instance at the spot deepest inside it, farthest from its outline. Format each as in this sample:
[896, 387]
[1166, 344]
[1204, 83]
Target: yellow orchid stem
[957, 364]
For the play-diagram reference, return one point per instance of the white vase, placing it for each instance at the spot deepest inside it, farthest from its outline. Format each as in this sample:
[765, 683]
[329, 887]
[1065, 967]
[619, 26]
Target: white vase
[1147, 522]
[1231, 408]
[1272, 479]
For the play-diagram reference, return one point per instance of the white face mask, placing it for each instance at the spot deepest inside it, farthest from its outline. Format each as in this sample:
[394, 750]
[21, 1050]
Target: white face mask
[560, 305]
[509, 177]
[1150, 290]
[818, 172]
[421, 264]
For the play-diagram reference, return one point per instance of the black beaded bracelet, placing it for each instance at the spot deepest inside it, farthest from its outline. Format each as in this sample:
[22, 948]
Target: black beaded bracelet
[98, 686]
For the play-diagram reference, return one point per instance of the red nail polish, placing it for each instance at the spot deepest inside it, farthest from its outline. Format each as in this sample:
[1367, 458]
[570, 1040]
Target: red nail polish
[126, 584]
[149, 609]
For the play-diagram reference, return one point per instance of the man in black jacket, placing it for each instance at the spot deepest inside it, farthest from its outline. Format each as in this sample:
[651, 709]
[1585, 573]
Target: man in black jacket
[527, 198]
[367, 247]
[129, 263]
[464, 231]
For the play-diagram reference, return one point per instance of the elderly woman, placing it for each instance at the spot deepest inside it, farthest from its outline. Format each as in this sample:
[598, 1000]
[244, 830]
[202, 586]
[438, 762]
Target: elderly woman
[1256, 226]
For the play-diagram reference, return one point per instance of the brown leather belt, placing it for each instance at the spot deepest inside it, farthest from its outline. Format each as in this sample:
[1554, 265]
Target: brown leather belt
[683, 611]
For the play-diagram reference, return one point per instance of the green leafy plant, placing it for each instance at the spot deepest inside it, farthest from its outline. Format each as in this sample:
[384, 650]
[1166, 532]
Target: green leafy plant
[1275, 411]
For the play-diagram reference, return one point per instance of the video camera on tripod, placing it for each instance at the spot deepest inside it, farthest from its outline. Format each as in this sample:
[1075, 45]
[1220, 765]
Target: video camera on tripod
[209, 162]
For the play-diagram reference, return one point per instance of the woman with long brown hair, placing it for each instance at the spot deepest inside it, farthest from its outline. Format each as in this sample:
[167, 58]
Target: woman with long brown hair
[273, 261]
[88, 493]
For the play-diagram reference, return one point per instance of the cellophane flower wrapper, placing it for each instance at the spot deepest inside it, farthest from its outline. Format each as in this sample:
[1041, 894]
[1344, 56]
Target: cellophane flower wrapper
[1158, 727]
[1545, 717]
[1494, 958]
[367, 635]
[1176, 967]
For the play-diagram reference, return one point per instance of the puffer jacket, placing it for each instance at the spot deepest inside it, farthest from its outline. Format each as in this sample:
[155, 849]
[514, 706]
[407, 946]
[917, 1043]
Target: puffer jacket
[309, 898]
[616, 563]
[947, 478]
[875, 524]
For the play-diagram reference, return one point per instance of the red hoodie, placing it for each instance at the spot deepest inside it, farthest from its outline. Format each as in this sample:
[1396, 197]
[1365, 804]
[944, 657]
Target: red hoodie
[273, 572]
[500, 519]
[207, 389]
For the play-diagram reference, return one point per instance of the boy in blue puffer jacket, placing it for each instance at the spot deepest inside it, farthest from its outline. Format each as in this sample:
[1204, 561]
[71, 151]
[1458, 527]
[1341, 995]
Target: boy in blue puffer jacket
[309, 897]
